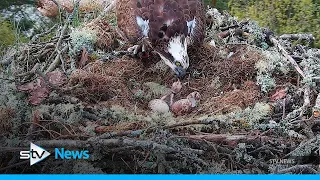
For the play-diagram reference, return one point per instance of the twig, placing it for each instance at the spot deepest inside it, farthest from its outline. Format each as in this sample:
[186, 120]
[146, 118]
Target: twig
[121, 142]
[186, 123]
[285, 53]
[14, 165]
[57, 60]
[108, 8]
[306, 97]
[302, 145]
[298, 37]
[34, 38]
[284, 109]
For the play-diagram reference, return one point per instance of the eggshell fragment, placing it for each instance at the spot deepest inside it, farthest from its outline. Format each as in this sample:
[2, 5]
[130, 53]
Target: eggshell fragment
[176, 87]
[195, 95]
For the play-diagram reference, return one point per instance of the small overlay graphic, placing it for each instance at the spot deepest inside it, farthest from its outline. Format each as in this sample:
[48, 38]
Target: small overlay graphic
[35, 154]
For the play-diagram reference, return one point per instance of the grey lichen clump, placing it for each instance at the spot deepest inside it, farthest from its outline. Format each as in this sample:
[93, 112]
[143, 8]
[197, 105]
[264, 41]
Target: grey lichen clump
[119, 114]
[155, 90]
[251, 115]
[83, 38]
[67, 113]
[273, 63]
[11, 98]
[311, 67]
[257, 37]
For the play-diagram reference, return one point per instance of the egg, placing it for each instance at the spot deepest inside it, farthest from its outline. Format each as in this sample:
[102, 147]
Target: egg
[159, 106]
[184, 106]
[181, 107]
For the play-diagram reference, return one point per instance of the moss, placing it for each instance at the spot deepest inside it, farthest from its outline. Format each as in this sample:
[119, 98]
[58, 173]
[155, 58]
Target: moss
[155, 90]
[65, 113]
[7, 37]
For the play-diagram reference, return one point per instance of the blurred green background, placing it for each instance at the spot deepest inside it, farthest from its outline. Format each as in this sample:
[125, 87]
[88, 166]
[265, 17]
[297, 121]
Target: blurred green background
[281, 16]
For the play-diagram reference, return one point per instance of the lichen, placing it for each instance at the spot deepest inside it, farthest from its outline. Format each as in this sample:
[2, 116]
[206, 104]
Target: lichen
[273, 63]
[155, 90]
[11, 98]
[66, 113]
[250, 115]
[83, 38]
[311, 67]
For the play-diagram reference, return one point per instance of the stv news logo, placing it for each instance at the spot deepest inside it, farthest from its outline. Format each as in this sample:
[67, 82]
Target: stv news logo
[37, 154]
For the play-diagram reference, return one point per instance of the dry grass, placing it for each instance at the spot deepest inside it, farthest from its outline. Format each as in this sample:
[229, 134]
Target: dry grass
[222, 82]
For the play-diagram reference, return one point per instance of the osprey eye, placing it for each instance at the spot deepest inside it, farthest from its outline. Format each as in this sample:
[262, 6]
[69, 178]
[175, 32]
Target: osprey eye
[178, 63]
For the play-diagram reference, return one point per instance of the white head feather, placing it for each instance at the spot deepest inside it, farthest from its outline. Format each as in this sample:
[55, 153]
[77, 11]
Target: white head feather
[178, 49]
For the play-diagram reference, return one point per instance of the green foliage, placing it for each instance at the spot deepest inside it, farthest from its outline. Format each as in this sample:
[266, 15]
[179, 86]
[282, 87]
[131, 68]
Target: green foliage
[7, 37]
[218, 4]
[283, 16]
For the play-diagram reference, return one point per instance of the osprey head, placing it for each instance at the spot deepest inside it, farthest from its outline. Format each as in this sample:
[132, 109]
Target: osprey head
[175, 54]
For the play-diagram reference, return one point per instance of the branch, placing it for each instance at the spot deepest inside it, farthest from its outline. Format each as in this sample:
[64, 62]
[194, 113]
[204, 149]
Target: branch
[298, 37]
[285, 53]
[121, 142]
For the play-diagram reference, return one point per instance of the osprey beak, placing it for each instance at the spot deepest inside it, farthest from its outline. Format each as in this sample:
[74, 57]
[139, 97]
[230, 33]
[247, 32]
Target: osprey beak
[180, 72]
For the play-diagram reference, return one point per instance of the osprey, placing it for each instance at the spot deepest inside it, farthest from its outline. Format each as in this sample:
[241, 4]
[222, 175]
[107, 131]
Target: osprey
[167, 26]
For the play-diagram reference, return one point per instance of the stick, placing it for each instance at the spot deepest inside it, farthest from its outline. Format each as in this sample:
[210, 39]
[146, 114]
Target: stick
[121, 142]
[34, 38]
[298, 37]
[57, 60]
[285, 53]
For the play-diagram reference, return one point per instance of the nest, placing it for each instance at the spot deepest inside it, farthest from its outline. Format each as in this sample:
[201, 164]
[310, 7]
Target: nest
[124, 67]
[103, 107]
[100, 81]
[50, 9]
[94, 87]
[248, 95]
[106, 36]
[6, 116]
[233, 64]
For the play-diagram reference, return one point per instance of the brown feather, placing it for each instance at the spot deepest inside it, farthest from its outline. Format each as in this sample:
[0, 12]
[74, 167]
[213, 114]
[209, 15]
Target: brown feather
[167, 18]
